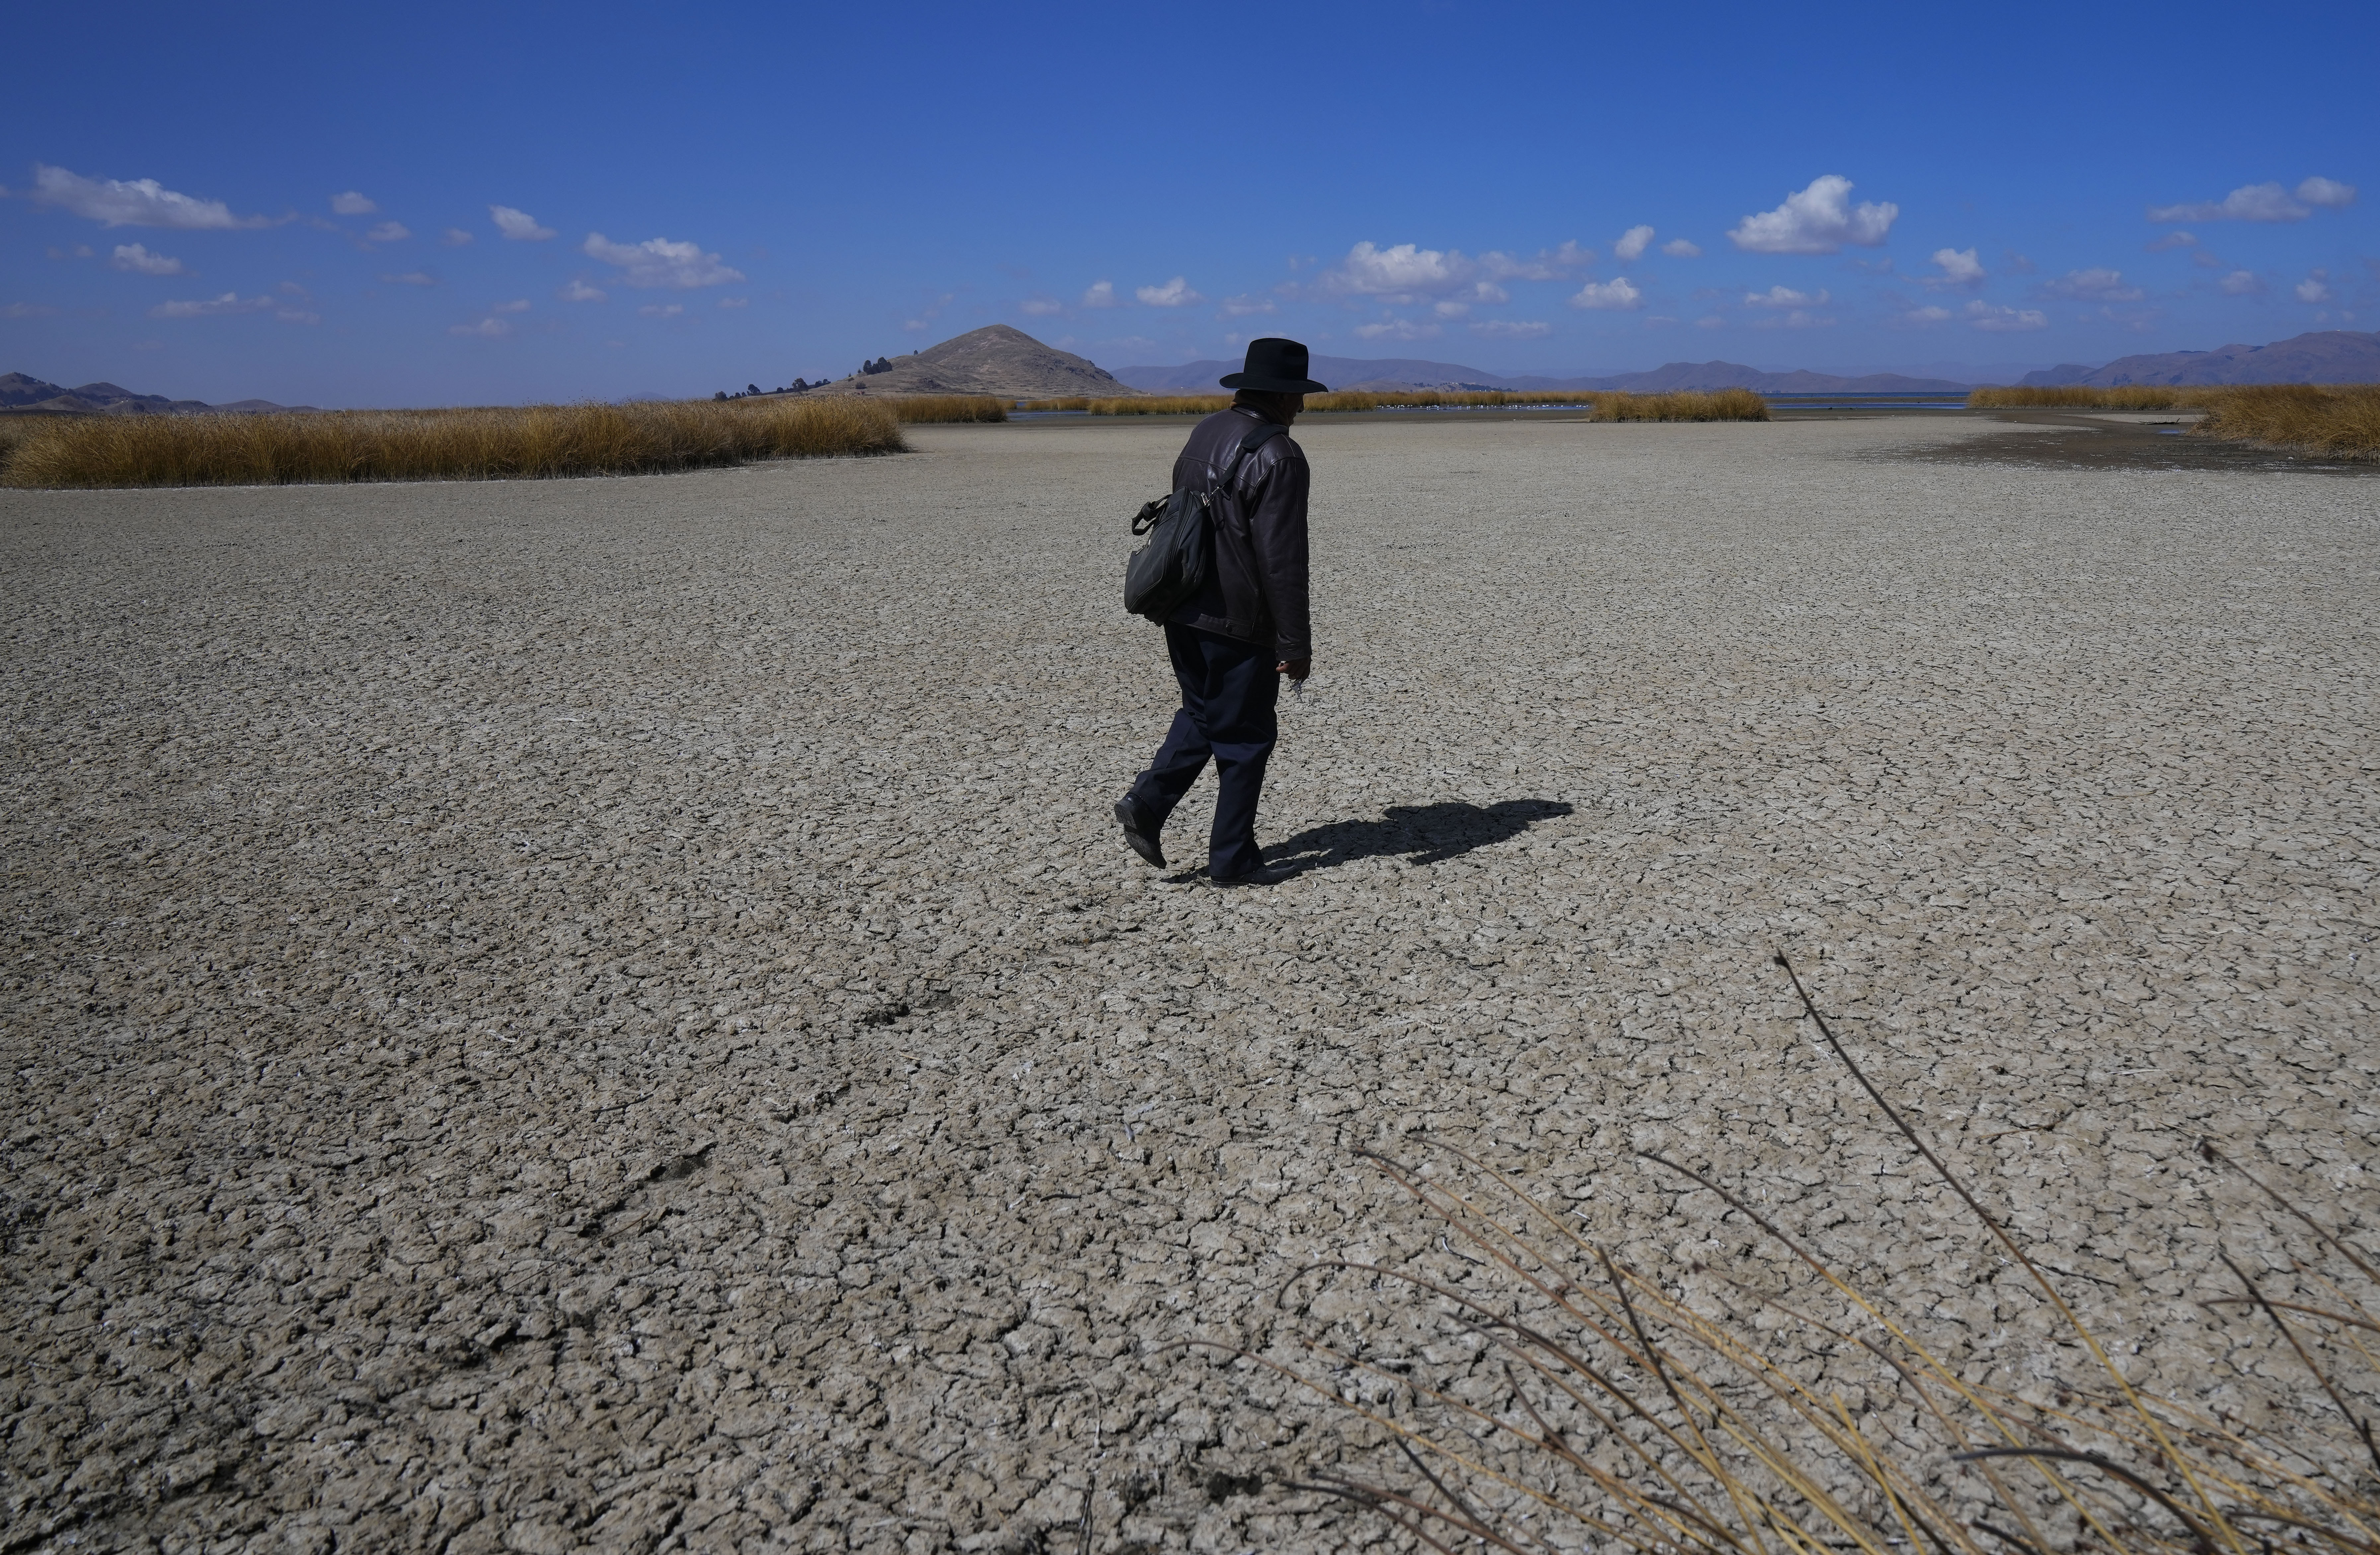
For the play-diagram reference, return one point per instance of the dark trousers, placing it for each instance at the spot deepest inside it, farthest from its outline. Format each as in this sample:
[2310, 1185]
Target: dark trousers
[1228, 690]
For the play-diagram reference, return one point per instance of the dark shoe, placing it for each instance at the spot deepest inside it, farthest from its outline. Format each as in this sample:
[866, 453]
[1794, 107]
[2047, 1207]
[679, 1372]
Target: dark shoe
[1262, 876]
[1138, 834]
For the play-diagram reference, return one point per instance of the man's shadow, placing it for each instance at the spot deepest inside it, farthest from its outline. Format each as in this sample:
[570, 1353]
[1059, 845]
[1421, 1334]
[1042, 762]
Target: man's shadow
[1425, 834]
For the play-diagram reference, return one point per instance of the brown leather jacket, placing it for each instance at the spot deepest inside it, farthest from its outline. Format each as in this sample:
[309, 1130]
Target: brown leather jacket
[1256, 591]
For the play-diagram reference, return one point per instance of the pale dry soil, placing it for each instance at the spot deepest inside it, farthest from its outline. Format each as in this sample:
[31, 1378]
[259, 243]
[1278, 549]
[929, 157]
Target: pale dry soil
[613, 1014]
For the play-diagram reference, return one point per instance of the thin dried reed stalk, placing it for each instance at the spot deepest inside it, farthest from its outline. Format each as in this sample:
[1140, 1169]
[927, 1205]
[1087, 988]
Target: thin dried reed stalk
[495, 444]
[1539, 1391]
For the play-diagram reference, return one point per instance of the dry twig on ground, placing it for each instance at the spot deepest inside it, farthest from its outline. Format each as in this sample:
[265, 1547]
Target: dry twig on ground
[1544, 1391]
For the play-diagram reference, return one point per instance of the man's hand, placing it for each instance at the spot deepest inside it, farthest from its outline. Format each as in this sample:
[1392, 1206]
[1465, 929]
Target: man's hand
[1296, 669]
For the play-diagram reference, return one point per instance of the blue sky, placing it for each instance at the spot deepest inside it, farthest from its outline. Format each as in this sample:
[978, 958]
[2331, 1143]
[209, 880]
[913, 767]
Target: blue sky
[435, 203]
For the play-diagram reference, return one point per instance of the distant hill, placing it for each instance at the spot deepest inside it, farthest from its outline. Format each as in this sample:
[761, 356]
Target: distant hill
[19, 392]
[2330, 355]
[1395, 373]
[995, 360]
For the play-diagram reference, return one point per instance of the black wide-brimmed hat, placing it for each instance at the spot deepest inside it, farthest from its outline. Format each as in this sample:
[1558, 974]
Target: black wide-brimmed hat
[1276, 366]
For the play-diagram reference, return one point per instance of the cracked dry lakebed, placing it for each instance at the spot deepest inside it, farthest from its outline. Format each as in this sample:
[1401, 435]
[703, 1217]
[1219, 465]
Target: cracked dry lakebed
[614, 1015]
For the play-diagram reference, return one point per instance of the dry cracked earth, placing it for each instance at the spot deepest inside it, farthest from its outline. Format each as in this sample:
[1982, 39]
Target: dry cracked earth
[611, 1014]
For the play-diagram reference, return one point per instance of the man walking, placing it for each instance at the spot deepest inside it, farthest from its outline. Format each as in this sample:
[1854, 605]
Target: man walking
[1233, 642]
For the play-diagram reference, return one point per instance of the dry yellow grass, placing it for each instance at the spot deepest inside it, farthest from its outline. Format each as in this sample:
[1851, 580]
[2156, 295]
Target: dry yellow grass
[1725, 405]
[914, 409]
[14, 432]
[2131, 396]
[1144, 404]
[491, 444]
[2340, 420]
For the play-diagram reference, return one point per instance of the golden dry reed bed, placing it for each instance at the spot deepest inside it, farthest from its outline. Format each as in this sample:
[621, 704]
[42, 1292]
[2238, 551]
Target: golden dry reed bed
[916, 408]
[1513, 1384]
[1726, 404]
[2338, 420]
[539, 442]
[2131, 396]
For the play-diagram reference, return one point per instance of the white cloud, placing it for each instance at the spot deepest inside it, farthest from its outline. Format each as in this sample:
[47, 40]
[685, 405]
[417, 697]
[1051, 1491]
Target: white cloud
[138, 202]
[1710, 320]
[1241, 306]
[2092, 286]
[1785, 296]
[136, 258]
[1099, 294]
[2323, 191]
[1632, 244]
[1396, 329]
[297, 316]
[389, 232]
[580, 291]
[2004, 320]
[1613, 293]
[2242, 283]
[1926, 315]
[486, 329]
[1040, 307]
[412, 278]
[2252, 202]
[2314, 287]
[1512, 329]
[2173, 240]
[734, 302]
[1410, 275]
[454, 238]
[1549, 264]
[1176, 293]
[661, 310]
[1799, 317]
[518, 305]
[1449, 310]
[1820, 220]
[351, 204]
[1960, 268]
[210, 307]
[518, 226]
[28, 311]
[1405, 273]
[1678, 247]
[657, 261]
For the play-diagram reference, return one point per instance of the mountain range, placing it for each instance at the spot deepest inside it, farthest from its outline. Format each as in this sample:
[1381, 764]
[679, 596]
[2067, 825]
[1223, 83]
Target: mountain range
[2330, 355]
[2323, 357]
[1393, 373]
[21, 393]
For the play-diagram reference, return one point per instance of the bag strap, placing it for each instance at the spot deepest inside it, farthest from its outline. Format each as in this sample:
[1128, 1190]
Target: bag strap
[1255, 440]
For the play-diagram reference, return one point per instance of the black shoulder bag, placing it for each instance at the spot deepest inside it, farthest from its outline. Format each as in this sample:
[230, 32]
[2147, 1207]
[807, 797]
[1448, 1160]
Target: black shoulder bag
[1168, 571]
